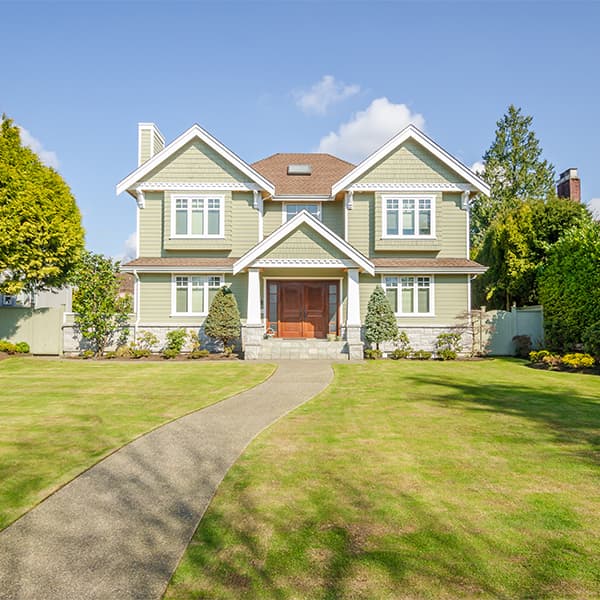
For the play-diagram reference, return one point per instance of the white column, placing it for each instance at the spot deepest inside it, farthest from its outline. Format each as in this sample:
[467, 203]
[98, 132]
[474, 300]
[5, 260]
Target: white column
[353, 298]
[253, 317]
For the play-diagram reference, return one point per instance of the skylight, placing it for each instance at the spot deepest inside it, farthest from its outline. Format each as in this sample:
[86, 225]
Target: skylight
[299, 170]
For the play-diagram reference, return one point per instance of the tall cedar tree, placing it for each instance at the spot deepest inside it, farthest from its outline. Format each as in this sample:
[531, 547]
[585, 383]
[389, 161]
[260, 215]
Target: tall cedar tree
[380, 322]
[41, 236]
[514, 170]
[101, 315]
[516, 247]
[223, 320]
[570, 287]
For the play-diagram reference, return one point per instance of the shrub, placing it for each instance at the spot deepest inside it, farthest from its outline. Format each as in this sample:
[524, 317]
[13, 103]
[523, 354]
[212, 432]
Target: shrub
[110, 355]
[223, 321]
[591, 339]
[578, 360]
[194, 342]
[448, 345]
[373, 353]
[8, 347]
[398, 354]
[194, 354]
[537, 356]
[552, 361]
[87, 354]
[380, 322]
[22, 347]
[421, 355]
[175, 342]
[123, 351]
[146, 340]
[139, 352]
[522, 345]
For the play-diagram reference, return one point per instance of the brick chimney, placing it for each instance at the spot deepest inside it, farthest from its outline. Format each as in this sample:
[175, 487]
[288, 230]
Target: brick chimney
[569, 185]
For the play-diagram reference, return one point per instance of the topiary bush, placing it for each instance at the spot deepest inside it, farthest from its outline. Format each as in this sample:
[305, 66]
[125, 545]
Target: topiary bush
[223, 321]
[380, 322]
[22, 347]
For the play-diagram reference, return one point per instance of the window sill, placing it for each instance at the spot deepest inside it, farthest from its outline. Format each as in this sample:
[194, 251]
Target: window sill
[408, 237]
[413, 315]
[173, 315]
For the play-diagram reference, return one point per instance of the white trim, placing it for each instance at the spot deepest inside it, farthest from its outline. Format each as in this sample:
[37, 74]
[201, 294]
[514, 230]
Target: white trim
[411, 132]
[302, 198]
[195, 131]
[353, 299]
[431, 276]
[469, 295]
[203, 197]
[400, 235]
[467, 207]
[303, 263]
[285, 204]
[411, 187]
[137, 232]
[303, 218]
[175, 269]
[437, 270]
[253, 300]
[197, 186]
[206, 287]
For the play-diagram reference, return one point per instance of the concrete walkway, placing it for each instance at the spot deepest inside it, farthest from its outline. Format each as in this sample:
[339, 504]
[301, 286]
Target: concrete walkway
[118, 531]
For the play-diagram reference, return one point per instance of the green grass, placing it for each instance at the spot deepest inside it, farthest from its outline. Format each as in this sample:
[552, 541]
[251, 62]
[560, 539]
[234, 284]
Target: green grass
[413, 480]
[58, 418]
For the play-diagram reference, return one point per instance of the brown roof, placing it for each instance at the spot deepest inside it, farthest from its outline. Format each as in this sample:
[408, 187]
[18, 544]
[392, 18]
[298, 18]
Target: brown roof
[427, 263]
[326, 170]
[176, 261]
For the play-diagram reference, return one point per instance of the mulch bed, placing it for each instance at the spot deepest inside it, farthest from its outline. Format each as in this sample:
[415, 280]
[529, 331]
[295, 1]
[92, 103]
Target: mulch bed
[158, 358]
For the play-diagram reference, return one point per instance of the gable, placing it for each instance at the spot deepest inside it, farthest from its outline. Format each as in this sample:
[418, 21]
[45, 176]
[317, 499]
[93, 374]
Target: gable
[304, 242]
[196, 161]
[410, 163]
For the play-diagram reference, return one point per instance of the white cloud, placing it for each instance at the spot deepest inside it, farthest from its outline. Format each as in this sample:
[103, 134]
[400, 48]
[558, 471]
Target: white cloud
[477, 167]
[368, 129]
[48, 157]
[324, 93]
[129, 249]
[594, 206]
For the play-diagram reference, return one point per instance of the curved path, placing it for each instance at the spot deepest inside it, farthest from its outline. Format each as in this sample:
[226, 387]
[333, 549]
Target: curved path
[118, 530]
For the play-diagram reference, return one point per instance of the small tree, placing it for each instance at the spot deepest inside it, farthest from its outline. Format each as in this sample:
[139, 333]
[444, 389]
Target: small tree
[223, 320]
[101, 315]
[380, 322]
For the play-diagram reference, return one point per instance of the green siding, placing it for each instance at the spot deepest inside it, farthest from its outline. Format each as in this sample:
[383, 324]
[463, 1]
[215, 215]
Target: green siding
[145, 137]
[151, 225]
[244, 225]
[333, 216]
[196, 162]
[360, 223]
[450, 299]
[410, 163]
[304, 242]
[272, 217]
[158, 143]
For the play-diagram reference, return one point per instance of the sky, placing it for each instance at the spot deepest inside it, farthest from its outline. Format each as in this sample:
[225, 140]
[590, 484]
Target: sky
[266, 77]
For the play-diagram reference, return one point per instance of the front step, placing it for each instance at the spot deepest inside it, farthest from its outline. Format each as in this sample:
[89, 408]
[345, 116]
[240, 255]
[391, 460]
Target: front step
[302, 349]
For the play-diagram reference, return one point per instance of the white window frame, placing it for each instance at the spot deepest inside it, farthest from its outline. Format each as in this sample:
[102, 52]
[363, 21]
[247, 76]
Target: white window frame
[401, 198]
[175, 276]
[204, 198]
[399, 276]
[284, 206]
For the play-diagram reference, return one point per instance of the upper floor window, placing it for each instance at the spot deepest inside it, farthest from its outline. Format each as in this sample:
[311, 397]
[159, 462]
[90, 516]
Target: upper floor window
[193, 294]
[291, 210]
[409, 295]
[410, 217]
[197, 216]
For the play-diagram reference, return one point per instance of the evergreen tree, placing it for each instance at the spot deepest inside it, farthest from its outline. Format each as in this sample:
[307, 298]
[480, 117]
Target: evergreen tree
[380, 322]
[41, 236]
[223, 320]
[101, 315]
[514, 169]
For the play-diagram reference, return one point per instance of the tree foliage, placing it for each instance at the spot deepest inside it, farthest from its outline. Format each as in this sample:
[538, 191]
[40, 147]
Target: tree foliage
[41, 235]
[380, 322]
[515, 247]
[569, 287]
[514, 169]
[223, 320]
[101, 315]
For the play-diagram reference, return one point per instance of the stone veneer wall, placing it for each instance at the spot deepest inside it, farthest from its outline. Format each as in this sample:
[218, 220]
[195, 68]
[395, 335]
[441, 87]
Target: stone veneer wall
[424, 337]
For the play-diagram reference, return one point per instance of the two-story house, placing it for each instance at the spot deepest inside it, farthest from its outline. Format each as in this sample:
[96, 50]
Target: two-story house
[301, 239]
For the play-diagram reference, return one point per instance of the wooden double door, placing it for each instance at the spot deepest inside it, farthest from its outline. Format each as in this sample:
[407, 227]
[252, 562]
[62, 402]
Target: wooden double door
[304, 309]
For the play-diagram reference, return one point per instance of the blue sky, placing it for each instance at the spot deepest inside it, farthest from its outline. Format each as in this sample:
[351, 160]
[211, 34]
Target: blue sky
[267, 77]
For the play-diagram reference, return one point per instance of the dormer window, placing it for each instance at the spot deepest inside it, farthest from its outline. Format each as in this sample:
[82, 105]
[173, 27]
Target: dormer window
[197, 216]
[408, 217]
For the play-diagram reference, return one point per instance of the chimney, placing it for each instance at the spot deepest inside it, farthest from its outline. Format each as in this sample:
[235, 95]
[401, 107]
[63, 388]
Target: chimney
[569, 185]
[150, 141]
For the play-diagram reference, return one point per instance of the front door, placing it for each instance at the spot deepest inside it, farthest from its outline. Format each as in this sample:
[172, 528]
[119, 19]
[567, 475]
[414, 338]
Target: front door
[303, 309]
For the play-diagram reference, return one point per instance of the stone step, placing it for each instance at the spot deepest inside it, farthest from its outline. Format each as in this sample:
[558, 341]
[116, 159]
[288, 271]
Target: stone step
[302, 349]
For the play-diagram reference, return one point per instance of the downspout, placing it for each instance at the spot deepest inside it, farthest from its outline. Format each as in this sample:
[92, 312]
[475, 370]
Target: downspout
[136, 304]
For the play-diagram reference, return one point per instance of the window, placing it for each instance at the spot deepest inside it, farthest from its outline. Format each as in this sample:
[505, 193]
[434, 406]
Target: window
[291, 210]
[198, 216]
[409, 295]
[408, 217]
[194, 293]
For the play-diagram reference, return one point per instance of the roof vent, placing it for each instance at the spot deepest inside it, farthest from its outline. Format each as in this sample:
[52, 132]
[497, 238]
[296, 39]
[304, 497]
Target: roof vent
[299, 170]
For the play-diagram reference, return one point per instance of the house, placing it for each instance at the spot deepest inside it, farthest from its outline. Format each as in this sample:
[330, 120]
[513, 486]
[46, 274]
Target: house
[301, 239]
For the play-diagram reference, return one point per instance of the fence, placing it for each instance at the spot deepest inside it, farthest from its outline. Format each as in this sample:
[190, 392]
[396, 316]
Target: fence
[39, 327]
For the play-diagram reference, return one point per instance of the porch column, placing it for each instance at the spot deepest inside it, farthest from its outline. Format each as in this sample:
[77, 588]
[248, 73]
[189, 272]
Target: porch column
[252, 332]
[353, 324]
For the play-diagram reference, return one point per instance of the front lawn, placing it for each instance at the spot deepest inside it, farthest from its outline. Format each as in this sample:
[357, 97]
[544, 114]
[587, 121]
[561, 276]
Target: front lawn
[59, 417]
[413, 480]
